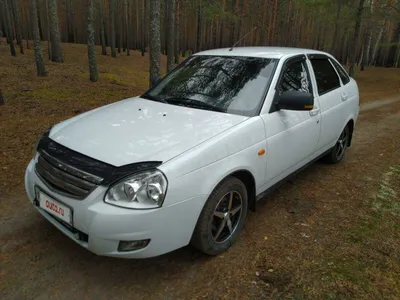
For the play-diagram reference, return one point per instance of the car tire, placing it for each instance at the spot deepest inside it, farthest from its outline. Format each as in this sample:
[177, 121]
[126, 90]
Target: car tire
[222, 217]
[337, 152]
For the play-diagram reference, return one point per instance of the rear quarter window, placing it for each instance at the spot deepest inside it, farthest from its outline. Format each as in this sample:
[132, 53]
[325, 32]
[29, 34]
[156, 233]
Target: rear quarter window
[325, 75]
[342, 73]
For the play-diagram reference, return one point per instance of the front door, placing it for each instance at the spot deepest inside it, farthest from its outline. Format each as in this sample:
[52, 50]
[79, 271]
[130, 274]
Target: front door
[292, 136]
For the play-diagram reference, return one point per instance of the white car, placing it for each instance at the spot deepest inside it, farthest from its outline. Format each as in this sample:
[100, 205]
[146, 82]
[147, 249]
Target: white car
[184, 162]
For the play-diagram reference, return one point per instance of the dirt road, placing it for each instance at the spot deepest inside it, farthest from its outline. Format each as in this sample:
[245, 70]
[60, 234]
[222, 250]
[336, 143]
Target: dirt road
[331, 233]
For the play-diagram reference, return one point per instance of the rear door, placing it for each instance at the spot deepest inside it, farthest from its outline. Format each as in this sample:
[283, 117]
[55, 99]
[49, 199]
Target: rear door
[331, 96]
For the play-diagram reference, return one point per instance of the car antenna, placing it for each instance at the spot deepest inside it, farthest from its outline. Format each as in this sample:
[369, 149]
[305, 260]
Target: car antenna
[254, 28]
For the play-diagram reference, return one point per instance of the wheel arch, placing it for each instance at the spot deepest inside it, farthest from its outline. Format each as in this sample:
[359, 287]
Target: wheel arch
[249, 181]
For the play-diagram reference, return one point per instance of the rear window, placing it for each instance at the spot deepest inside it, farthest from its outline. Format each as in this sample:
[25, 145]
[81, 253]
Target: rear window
[325, 74]
[342, 73]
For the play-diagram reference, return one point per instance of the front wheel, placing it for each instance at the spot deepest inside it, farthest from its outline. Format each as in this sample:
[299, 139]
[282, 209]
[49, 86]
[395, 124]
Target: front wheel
[337, 152]
[222, 217]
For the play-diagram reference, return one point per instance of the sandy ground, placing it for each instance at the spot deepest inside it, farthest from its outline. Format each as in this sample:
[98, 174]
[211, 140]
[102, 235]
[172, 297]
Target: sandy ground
[311, 239]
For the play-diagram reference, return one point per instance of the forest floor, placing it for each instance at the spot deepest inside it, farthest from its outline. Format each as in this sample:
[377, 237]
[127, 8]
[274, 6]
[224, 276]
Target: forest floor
[331, 233]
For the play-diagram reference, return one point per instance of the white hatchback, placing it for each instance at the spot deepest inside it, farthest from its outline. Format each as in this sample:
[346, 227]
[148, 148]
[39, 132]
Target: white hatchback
[185, 161]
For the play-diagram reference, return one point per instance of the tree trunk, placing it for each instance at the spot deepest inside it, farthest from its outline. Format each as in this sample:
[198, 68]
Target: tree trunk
[364, 56]
[199, 28]
[177, 17]
[369, 38]
[90, 43]
[37, 46]
[7, 26]
[155, 42]
[127, 31]
[357, 29]
[119, 28]
[48, 31]
[112, 28]
[137, 25]
[17, 22]
[171, 35]
[166, 27]
[221, 27]
[56, 54]
[26, 27]
[392, 57]
[377, 42]
[334, 46]
[143, 21]
[102, 29]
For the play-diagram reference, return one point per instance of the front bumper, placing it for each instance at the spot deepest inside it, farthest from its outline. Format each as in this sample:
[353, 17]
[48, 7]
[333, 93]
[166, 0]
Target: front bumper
[169, 227]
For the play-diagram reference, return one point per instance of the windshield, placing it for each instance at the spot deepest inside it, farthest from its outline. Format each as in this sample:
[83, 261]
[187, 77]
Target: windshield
[230, 84]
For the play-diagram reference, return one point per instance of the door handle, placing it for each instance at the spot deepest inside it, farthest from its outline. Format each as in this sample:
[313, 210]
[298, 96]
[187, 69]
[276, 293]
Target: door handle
[344, 96]
[314, 112]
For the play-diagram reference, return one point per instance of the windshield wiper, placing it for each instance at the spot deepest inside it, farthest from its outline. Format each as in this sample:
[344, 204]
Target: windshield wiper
[152, 98]
[193, 103]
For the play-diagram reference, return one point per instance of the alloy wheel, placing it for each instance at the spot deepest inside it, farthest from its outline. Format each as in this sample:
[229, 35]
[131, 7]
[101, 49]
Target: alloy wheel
[226, 217]
[342, 143]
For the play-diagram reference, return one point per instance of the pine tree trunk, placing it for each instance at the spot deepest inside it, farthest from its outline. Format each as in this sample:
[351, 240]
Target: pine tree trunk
[102, 29]
[119, 28]
[184, 37]
[392, 57]
[112, 28]
[171, 35]
[48, 31]
[56, 54]
[336, 30]
[221, 28]
[357, 29]
[7, 25]
[127, 31]
[166, 26]
[177, 17]
[37, 46]
[26, 29]
[155, 42]
[199, 28]
[143, 21]
[70, 21]
[18, 28]
[377, 42]
[90, 43]
[364, 57]
[369, 38]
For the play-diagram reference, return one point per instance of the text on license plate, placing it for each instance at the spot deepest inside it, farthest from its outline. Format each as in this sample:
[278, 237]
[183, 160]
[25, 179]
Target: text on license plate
[55, 208]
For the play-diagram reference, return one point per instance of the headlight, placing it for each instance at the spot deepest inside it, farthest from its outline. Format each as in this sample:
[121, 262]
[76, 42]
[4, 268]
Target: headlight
[143, 190]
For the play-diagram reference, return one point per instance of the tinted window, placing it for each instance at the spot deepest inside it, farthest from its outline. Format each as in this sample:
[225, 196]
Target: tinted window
[342, 73]
[295, 78]
[325, 74]
[230, 84]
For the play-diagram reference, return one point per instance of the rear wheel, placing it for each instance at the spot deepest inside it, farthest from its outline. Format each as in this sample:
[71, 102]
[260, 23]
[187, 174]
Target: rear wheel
[337, 152]
[222, 217]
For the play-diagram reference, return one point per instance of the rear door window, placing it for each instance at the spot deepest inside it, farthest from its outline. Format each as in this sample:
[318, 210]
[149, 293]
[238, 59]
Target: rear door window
[325, 75]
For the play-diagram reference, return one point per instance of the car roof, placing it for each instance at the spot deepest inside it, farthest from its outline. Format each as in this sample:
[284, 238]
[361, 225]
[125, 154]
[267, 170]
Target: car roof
[266, 52]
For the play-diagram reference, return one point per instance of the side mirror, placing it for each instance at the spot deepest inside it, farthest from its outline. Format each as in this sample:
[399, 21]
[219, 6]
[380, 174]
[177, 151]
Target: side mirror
[295, 100]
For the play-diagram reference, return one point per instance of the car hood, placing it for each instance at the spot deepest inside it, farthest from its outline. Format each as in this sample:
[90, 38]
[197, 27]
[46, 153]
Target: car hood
[136, 130]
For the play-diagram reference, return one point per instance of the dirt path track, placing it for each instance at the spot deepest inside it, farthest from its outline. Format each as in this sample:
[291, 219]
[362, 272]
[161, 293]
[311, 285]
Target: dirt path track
[290, 247]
